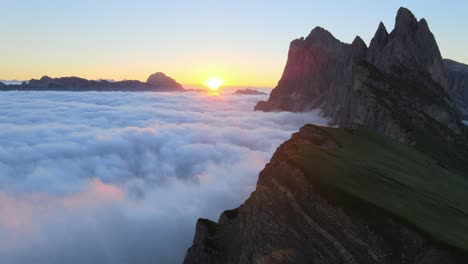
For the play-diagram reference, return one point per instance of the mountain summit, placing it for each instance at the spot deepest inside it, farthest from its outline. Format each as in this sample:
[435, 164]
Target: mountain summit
[397, 86]
[409, 47]
[358, 193]
[160, 79]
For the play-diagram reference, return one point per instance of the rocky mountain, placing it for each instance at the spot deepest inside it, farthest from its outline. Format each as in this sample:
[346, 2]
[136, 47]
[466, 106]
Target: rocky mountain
[315, 202]
[249, 92]
[397, 86]
[156, 82]
[159, 79]
[457, 74]
[358, 193]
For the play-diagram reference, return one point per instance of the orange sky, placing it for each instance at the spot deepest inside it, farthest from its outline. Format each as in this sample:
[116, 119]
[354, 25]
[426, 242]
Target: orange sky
[243, 42]
[185, 73]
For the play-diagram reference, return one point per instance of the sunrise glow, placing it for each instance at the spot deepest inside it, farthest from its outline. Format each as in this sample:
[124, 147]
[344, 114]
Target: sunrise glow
[214, 83]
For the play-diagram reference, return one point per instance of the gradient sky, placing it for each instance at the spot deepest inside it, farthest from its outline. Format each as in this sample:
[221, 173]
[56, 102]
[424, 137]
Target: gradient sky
[244, 42]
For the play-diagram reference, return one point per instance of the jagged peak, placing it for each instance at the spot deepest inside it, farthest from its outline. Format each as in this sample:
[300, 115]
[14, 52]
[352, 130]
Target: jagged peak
[380, 36]
[319, 33]
[423, 22]
[359, 47]
[381, 30]
[423, 25]
[405, 19]
[319, 30]
[404, 14]
[359, 42]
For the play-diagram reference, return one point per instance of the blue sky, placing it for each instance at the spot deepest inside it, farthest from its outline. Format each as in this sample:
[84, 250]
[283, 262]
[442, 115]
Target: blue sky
[244, 42]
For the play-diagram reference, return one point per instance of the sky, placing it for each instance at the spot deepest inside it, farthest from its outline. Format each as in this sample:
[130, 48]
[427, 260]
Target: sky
[243, 42]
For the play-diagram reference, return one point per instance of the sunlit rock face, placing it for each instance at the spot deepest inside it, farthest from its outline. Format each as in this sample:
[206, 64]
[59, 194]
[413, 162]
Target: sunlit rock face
[396, 86]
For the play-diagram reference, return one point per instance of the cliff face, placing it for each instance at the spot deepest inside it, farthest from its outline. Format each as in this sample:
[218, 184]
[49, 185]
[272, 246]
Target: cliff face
[156, 82]
[409, 48]
[457, 74]
[306, 210]
[396, 87]
[350, 194]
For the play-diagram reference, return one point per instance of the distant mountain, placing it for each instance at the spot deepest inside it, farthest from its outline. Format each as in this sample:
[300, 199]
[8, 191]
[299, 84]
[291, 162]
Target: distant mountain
[397, 86]
[249, 92]
[160, 80]
[156, 82]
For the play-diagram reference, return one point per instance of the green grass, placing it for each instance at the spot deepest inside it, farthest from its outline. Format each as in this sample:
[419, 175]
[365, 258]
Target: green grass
[401, 179]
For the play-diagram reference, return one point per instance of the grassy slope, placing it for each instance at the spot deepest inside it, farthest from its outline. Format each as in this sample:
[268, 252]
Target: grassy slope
[401, 179]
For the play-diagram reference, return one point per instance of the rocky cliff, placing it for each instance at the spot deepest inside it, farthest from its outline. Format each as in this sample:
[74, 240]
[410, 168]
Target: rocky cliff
[457, 74]
[156, 82]
[396, 86]
[343, 196]
[359, 193]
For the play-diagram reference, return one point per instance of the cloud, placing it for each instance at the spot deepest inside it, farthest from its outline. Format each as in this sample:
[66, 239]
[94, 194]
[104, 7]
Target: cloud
[122, 177]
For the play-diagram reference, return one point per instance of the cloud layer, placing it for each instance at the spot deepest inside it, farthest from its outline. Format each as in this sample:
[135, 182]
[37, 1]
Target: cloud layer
[122, 177]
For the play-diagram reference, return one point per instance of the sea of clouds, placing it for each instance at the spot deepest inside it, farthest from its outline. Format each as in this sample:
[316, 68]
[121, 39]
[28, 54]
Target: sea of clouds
[10, 82]
[122, 177]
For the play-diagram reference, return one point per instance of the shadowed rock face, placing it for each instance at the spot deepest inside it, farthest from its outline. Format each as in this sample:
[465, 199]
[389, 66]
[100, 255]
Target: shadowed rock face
[396, 87]
[156, 82]
[410, 47]
[322, 199]
[159, 79]
[292, 217]
[457, 74]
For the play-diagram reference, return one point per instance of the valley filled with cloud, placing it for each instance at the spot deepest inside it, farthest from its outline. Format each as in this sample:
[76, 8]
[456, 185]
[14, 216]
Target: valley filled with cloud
[122, 177]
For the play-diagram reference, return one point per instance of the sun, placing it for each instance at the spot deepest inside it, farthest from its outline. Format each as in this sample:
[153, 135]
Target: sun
[214, 83]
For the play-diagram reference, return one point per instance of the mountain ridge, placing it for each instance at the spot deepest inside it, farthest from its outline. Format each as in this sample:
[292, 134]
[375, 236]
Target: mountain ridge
[313, 204]
[156, 82]
[386, 185]
[396, 86]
